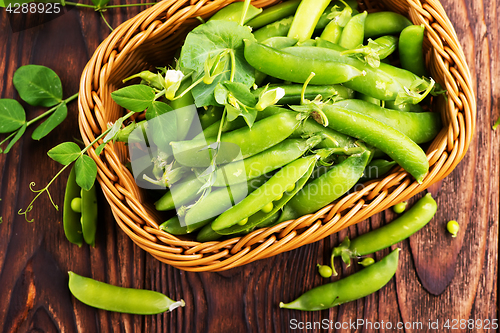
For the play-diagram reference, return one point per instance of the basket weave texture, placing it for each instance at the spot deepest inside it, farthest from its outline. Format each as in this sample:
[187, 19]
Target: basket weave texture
[151, 39]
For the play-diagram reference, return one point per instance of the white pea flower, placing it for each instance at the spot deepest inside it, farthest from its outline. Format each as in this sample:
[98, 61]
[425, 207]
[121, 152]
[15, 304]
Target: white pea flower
[270, 97]
[173, 80]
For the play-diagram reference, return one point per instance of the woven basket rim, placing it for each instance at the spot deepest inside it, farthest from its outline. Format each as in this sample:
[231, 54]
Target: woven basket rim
[155, 26]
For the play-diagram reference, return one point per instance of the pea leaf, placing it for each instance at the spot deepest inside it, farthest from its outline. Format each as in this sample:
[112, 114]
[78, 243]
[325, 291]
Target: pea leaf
[136, 98]
[206, 42]
[52, 122]
[38, 85]
[12, 115]
[86, 172]
[241, 93]
[65, 153]
[18, 135]
[157, 109]
[99, 149]
[114, 130]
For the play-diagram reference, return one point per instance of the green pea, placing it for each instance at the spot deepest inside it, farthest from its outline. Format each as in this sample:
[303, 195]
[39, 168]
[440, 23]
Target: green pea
[290, 188]
[279, 197]
[453, 228]
[244, 221]
[76, 205]
[325, 271]
[268, 208]
[367, 262]
[399, 208]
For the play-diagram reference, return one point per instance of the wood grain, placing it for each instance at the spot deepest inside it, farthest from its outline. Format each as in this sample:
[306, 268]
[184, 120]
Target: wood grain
[439, 278]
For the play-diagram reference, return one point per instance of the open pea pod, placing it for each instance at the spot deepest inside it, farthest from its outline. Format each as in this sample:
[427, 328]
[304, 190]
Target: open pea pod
[71, 219]
[261, 216]
[80, 212]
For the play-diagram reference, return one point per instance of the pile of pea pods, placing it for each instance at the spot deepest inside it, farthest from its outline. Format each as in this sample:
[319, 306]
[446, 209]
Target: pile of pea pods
[341, 97]
[334, 111]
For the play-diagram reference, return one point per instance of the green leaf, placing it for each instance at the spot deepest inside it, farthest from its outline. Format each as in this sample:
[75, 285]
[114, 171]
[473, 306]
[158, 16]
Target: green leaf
[114, 130]
[100, 3]
[38, 85]
[157, 109]
[220, 94]
[136, 98]
[206, 42]
[52, 122]
[19, 134]
[65, 153]
[346, 257]
[241, 92]
[86, 172]
[12, 115]
[232, 112]
[99, 149]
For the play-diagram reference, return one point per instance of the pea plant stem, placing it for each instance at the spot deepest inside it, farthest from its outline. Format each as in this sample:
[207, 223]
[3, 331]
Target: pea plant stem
[105, 21]
[43, 115]
[46, 188]
[49, 111]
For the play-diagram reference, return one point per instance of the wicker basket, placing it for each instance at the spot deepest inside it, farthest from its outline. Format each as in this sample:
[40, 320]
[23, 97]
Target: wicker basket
[152, 37]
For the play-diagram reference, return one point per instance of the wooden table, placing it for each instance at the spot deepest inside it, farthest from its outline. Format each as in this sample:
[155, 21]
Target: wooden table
[440, 278]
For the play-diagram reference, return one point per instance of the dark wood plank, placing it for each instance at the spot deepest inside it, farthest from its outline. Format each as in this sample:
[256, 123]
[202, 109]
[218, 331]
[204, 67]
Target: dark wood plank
[439, 278]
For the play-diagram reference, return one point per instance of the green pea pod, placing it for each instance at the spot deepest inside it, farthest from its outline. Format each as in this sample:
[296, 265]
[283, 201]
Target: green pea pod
[385, 23]
[89, 215]
[280, 42]
[353, 287]
[411, 53]
[270, 221]
[263, 134]
[207, 234]
[185, 110]
[218, 201]
[332, 32]
[282, 27]
[420, 127]
[377, 134]
[376, 169]
[290, 67]
[213, 130]
[274, 13]
[269, 160]
[262, 217]
[71, 219]
[125, 300]
[173, 226]
[354, 32]
[306, 18]
[406, 107]
[275, 29]
[265, 194]
[234, 12]
[399, 229]
[293, 92]
[382, 83]
[327, 187]
[185, 192]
